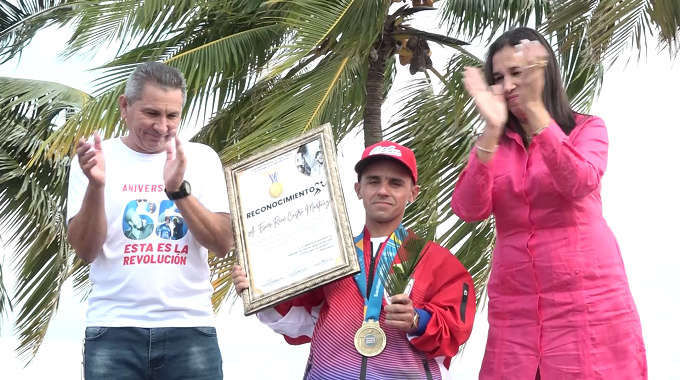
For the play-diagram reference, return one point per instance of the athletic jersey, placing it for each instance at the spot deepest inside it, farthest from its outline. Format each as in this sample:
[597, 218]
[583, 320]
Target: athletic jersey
[442, 293]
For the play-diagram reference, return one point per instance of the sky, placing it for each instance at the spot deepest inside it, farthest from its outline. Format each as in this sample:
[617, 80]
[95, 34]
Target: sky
[638, 104]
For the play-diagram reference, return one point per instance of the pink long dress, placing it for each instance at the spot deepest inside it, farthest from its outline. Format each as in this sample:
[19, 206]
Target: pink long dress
[559, 299]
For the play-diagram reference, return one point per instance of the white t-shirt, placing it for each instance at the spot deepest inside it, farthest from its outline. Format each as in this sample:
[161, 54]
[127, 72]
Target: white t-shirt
[376, 242]
[151, 272]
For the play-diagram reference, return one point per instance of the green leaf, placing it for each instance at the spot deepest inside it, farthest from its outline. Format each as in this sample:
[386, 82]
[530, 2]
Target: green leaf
[614, 27]
[296, 105]
[32, 205]
[129, 23]
[351, 26]
[20, 22]
[5, 300]
[410, 251]
[44, 104]
[582, 79]
[474, 18]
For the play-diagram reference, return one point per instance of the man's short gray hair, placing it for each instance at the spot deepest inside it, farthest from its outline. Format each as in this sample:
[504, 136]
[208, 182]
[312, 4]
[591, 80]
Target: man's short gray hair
[158, 74]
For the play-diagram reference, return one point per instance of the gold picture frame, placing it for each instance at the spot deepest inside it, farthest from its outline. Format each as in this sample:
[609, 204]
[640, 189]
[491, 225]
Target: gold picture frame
[287, 246]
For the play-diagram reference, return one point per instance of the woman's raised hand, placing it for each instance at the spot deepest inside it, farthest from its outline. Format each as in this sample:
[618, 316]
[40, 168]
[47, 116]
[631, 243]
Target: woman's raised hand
[490, 101]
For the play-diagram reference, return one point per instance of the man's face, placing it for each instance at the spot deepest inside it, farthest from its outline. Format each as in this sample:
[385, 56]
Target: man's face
[153, 119]
[384, 188]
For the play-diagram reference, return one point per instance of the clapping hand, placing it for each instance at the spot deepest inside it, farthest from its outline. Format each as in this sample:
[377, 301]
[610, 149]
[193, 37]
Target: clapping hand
[490, 101]
[91, 160]
[175, 165]
[534, 58]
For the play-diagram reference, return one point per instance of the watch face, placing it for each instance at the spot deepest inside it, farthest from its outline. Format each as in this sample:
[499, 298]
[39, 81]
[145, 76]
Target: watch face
[187, 187]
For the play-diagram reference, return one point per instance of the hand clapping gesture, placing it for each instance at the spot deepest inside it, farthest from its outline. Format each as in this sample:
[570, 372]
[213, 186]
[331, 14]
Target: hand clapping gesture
[175, 164]
[91, 160]
[533, 59]
[490, 101]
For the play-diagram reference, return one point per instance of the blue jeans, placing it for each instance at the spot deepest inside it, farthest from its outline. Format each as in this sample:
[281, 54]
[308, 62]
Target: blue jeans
[166, 353]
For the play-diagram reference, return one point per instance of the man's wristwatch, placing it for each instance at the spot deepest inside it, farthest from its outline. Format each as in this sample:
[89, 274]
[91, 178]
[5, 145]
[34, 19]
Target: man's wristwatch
[416, 320]
[183, 192]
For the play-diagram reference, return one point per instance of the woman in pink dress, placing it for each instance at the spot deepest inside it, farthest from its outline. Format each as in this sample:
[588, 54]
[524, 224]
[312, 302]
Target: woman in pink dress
[559, 302]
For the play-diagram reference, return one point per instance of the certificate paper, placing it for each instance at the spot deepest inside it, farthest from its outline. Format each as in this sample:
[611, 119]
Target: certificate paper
[291, 227]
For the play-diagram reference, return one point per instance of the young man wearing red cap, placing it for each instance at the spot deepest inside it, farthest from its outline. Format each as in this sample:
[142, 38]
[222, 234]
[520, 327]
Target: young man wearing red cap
[349, 321]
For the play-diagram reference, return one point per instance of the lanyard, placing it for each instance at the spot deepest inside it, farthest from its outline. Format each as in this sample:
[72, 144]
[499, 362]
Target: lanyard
[373, 301]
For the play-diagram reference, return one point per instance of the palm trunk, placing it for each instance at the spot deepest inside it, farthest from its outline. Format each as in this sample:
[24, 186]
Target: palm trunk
[374, 96]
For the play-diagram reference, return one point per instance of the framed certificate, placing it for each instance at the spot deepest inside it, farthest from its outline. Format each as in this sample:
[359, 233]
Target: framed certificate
[291, 228]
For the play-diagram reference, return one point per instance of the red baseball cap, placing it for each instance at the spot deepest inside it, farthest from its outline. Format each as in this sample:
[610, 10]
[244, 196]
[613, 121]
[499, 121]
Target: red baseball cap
[388, 150]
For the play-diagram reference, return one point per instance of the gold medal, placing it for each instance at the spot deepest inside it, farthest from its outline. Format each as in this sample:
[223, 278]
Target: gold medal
[275, 189]
[370, 339]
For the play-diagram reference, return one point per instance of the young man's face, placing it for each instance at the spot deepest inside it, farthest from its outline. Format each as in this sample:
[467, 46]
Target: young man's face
[385, 187]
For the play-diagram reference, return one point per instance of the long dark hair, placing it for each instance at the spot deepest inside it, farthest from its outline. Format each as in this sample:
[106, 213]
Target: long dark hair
[554, 96]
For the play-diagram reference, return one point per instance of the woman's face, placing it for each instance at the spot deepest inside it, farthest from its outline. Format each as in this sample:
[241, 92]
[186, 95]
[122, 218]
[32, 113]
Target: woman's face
[507, 72]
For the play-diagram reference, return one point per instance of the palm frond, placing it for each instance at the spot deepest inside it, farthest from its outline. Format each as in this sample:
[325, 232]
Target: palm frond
[32, 203]
[16, 91]
[80, 273]
[615, 27]
[217, 68]
[666, 15]
[220, 276]
[43, 104]
[5, 300]
[21, 20]
[235, 121]
[582, 78]
[295, 105]
[472, 18]
[220, 61]
[98, 114]
[351, 26]
[98, 24]
[227, 66]
[396, 277]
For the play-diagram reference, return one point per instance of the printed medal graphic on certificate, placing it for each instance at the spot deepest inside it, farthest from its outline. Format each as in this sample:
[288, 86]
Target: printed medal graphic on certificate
[291, 228]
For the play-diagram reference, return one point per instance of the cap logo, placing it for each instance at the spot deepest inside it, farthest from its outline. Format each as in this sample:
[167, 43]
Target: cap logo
[389, 150]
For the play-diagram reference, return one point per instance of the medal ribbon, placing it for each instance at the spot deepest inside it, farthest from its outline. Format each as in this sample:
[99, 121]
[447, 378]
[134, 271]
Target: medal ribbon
[362, 243]
[274, 177]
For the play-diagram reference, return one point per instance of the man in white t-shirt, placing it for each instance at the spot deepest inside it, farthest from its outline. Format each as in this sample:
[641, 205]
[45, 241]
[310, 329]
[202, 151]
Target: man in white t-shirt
[149, 314]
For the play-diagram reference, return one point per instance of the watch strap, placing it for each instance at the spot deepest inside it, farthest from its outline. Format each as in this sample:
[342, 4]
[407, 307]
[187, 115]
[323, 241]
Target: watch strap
[179, 194]
[416, 319]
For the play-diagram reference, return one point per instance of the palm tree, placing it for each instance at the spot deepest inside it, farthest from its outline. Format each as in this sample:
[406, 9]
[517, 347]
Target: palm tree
[264, 71]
